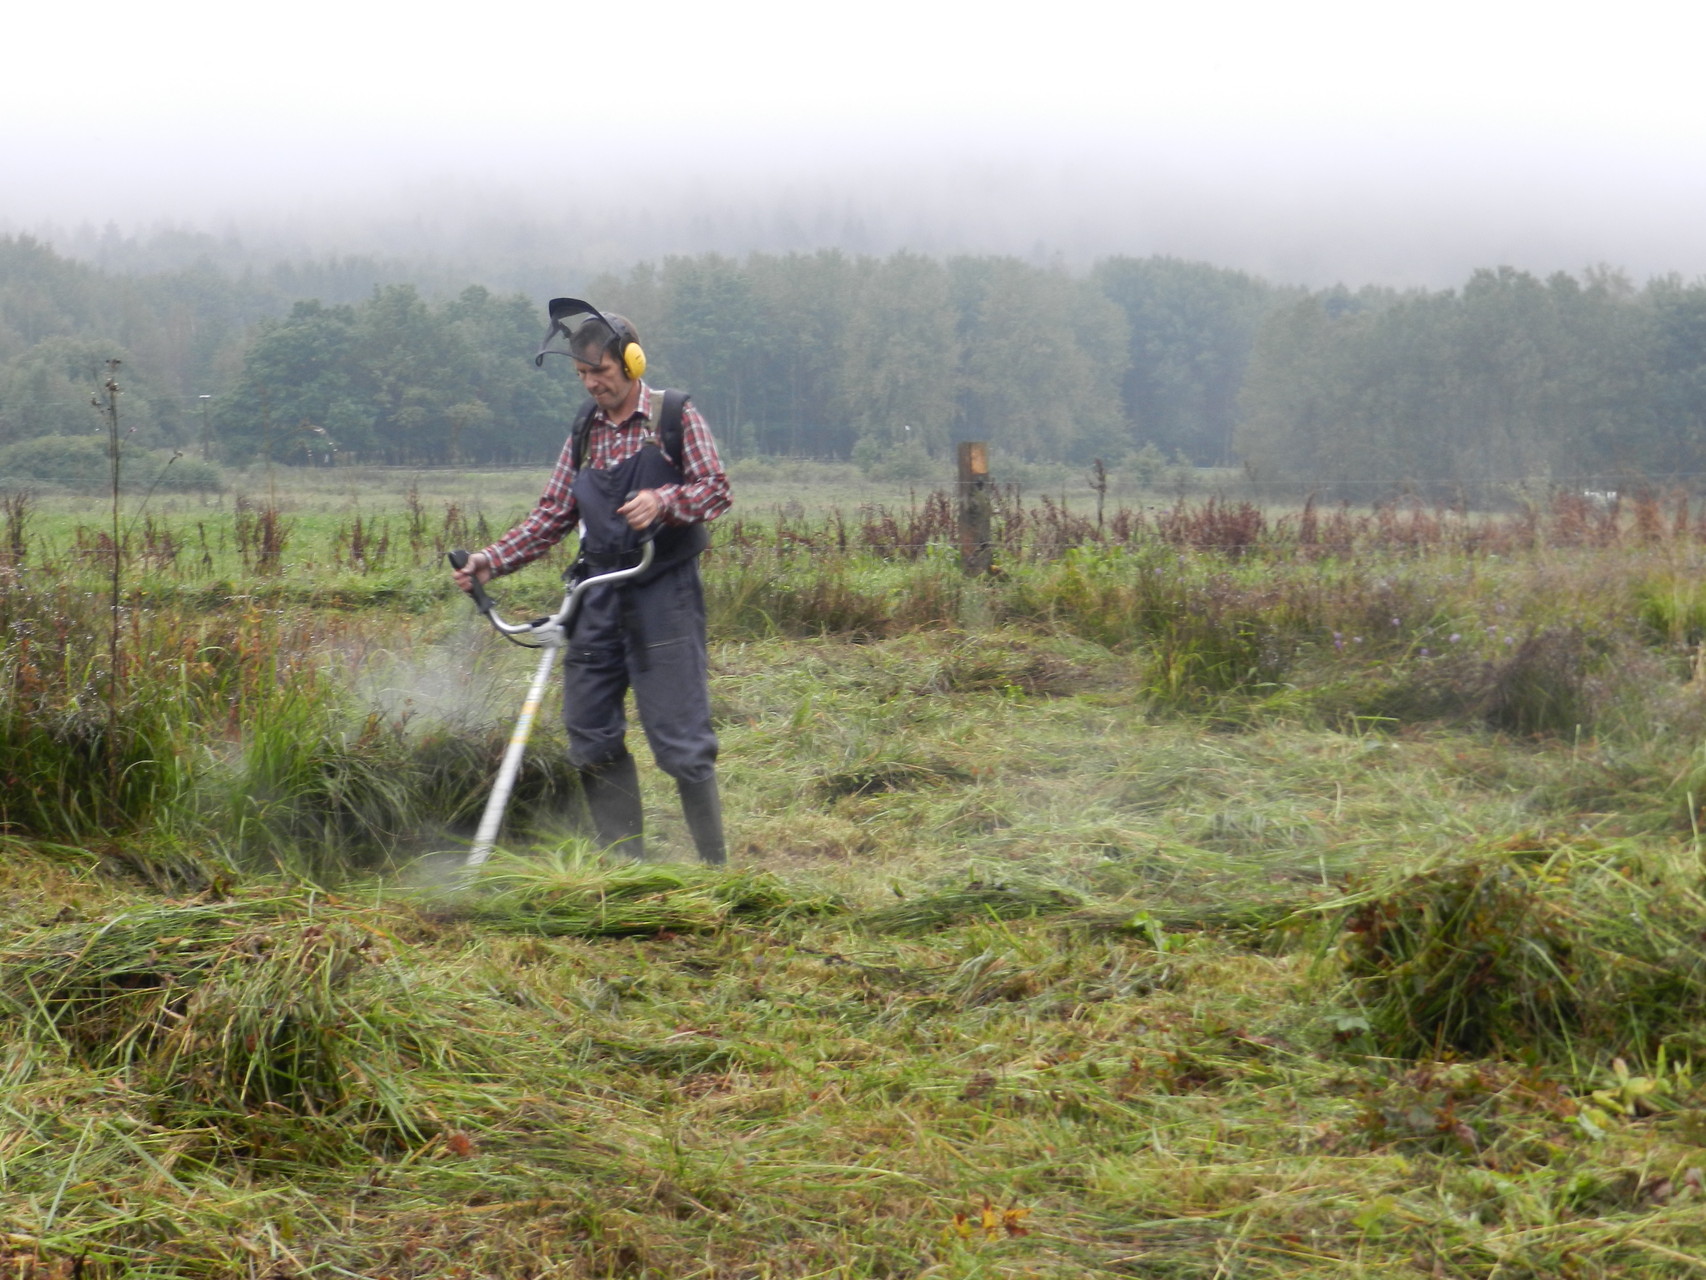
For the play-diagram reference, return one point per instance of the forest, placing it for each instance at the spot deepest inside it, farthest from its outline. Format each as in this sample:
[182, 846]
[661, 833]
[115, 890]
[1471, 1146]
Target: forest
[1590, 381]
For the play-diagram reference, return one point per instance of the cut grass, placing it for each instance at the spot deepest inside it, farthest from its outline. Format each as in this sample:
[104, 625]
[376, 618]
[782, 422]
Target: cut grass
[269, 1024]
[806, 1096]
[577, 891]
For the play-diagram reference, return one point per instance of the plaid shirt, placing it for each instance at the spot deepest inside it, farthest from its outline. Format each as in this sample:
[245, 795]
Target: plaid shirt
[703, 496]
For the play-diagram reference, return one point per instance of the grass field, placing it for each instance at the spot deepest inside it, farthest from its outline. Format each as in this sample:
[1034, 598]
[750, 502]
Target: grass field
[1215, 894]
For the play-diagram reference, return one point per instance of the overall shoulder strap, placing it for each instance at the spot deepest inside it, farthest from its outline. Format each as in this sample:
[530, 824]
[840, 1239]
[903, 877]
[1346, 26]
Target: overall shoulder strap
[669, 424]
[578, 432]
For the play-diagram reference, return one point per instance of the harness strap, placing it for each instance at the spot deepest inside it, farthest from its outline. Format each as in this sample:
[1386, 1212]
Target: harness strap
[667, 424]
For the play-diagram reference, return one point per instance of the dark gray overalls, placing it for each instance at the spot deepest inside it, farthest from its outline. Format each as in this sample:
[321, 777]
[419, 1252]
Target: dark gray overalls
[647, 634]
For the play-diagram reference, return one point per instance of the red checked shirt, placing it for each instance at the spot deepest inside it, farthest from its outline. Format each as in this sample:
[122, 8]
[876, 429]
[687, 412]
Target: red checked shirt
[703, 495]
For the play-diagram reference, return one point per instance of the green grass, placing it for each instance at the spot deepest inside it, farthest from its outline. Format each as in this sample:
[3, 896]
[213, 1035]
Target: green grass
[1065, 933]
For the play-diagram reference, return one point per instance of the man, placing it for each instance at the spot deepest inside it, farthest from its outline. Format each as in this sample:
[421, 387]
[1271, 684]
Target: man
[625, 469]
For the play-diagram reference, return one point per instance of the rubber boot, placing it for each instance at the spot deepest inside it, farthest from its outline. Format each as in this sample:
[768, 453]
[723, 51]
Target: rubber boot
[702, 806]
[612, 793]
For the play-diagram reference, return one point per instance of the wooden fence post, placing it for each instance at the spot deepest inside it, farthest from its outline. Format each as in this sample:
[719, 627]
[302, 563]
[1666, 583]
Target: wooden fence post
[976, 505]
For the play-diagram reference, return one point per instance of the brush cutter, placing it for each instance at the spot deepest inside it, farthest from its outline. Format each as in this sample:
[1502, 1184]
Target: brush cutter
[551, 634]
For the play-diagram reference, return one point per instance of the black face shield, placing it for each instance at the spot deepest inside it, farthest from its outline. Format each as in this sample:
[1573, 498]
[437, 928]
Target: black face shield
[580, 331]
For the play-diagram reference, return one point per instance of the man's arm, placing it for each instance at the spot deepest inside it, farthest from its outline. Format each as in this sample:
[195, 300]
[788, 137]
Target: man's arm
[543, 528]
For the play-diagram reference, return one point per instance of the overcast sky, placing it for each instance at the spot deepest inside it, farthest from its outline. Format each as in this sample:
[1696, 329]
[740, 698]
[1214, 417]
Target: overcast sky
[1316, 141]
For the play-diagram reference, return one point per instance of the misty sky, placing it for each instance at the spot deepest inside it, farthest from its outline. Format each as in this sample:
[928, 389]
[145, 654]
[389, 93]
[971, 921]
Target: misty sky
[1313, 142]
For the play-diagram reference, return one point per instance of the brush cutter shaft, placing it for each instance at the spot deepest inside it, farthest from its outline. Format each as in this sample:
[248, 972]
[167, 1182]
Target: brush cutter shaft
[486, 838]
[550, 634]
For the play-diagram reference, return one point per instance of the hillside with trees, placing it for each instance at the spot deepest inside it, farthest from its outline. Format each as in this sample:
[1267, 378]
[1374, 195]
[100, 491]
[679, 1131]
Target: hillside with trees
[1511, 378]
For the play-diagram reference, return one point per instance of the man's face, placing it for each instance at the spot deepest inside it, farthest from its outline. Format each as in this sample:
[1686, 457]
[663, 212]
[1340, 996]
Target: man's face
[605, 382]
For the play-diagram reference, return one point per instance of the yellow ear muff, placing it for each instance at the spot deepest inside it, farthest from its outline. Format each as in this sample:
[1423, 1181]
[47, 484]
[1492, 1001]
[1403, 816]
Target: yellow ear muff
[633, 361]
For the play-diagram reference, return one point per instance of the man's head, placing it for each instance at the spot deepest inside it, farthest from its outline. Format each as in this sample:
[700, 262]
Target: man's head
[605, 349]
[608, 333]
[609, 363]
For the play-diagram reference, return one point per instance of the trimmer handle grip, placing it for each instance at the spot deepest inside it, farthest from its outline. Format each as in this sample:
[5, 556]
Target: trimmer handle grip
[459, 560]
[651, 530]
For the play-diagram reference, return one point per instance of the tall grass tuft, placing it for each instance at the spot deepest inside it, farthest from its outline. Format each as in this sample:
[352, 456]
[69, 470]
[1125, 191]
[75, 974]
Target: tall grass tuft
[1203, 629]
[1553, 681]
[1673, 609]
[227, 732]
[1546, 684]
[15, 509]
[1569, 953]
[262, 535]
[312, 795]
[453, 765]
[754, 592]
[81, 753]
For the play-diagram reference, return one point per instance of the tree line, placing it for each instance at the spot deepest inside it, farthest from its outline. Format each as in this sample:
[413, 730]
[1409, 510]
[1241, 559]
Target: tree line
[1585, 381]
[834, 355]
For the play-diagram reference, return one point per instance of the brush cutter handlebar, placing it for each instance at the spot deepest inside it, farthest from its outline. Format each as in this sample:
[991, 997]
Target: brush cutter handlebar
[552, 629]
[477, 590]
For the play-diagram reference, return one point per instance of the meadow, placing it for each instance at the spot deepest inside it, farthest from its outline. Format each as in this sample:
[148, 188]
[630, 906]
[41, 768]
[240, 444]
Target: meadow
[1207, 892]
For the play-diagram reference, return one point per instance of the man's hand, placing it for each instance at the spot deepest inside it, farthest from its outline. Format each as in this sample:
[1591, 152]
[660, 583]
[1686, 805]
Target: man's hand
[642, 510]
[478, 569]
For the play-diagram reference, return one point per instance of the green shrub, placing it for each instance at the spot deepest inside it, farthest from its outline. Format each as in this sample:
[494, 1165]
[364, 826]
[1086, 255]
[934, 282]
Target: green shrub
[905, 462]
[81, 464]
[754, 470]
